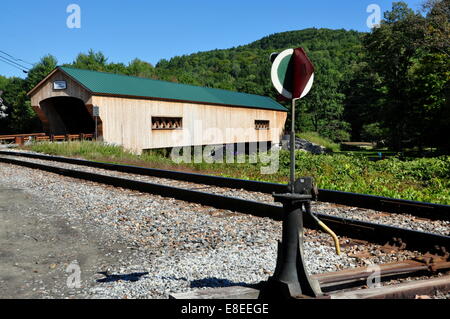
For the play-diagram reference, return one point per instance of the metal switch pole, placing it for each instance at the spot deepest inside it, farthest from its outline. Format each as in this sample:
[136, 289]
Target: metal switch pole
[291, 278]
[292, 146]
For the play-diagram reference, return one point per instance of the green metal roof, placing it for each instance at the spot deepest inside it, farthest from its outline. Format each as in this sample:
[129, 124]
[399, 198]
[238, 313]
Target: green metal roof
[116, 84]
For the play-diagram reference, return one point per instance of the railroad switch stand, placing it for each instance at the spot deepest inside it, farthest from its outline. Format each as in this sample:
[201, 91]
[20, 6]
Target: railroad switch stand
[291, 278]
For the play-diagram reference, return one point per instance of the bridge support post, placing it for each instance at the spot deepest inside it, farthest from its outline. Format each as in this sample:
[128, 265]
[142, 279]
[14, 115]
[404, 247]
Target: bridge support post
[19, 140]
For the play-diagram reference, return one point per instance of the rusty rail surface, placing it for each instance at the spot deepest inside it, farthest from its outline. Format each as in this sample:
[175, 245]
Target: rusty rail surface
[406, 290]
[333, 281]
[347, 284]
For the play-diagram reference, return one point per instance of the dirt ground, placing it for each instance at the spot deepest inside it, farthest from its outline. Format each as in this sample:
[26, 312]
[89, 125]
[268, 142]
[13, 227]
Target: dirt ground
[37, 247]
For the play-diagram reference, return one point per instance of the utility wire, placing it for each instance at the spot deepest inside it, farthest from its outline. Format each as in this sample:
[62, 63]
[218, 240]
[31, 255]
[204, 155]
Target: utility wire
[11, 61]
[16, 58]
[2, 59]
[13, 65]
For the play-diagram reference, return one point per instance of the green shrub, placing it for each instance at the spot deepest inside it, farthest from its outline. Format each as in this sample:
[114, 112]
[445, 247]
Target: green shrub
[423, 179]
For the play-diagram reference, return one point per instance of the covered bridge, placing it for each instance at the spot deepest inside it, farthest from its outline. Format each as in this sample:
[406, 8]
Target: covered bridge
[142, 114]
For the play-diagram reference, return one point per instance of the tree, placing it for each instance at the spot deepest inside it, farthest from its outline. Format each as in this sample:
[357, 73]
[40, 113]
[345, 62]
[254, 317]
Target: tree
[46, 65]
[408, 63]
[21, 117]
[362, 99]
[95, 61]
[3, 82]
[117, 68]
[141, 69]
[373, 132]
[247, 69]
[437, 26]
[390, 52]
[431, 82]
[432, 74]
[323, 107]
[3, 108]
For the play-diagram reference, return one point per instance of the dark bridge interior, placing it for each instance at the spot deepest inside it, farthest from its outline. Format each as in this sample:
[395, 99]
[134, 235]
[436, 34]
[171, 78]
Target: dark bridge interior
[67, 115]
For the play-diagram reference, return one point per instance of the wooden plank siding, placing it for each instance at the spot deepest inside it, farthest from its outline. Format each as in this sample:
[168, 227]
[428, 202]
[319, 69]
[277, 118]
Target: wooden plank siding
[127, 121]
[74, 89]
[44, 90]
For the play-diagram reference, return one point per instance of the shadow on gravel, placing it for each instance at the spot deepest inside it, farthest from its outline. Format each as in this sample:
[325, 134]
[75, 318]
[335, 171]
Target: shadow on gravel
[213, 282]
[127, 277]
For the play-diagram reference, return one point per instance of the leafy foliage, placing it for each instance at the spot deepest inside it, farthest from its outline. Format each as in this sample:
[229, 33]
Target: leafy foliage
[424, 179]
[247, 69]
[21, 117]
[403, 82]
[390, 85]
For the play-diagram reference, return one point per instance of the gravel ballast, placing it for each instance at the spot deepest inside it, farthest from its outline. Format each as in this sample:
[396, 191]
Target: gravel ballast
[169, 246]
[408, 221]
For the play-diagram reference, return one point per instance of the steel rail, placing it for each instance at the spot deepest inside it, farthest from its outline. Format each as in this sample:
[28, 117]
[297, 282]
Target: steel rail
[405, 290]
[378, 203]
[378, 233]
[356, 276]
[337, 284]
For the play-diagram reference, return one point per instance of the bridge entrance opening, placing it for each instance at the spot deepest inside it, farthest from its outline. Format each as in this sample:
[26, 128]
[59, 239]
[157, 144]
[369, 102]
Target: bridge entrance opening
[67, 115]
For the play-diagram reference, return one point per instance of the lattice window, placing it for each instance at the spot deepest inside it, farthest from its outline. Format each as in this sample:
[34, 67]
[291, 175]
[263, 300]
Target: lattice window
[167, 123]
[262, 125]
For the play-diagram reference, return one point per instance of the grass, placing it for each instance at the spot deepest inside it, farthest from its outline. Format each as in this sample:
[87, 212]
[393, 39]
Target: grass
[421, 179]
[116, 154]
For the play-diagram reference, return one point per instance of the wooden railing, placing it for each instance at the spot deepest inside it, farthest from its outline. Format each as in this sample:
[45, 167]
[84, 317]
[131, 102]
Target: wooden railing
[20, 139]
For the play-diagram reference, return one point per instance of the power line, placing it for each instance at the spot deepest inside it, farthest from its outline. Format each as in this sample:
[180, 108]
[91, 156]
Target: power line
[13, 65]
[11, 61]
[24, 71]
[32, 64]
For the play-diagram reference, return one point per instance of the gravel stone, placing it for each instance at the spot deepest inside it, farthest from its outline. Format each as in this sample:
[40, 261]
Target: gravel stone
[405, 220]
[174, 246]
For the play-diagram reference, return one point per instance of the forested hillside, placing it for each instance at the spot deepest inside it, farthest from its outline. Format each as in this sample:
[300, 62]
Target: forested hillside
[390, 85]
[247, 69]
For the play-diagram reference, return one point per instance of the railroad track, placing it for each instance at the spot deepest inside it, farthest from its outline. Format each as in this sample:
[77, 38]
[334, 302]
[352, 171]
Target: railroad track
[333, 283]
[346, 284]
[378, 203]
[377, 233]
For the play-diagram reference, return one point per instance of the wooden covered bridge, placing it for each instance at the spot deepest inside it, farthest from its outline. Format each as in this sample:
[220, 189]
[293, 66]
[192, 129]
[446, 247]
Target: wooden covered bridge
[142, 114]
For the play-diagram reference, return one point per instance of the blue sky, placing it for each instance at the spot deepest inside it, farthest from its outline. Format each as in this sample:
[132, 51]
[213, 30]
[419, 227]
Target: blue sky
[153, 30]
